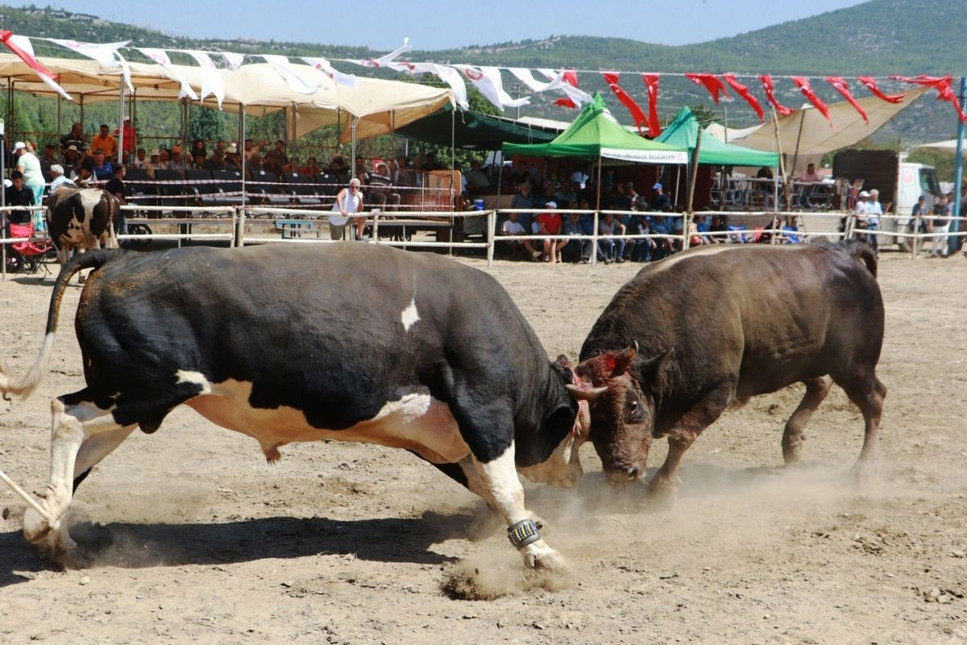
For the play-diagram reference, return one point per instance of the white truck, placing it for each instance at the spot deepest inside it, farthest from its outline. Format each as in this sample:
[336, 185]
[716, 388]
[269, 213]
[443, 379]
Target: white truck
[900, 183]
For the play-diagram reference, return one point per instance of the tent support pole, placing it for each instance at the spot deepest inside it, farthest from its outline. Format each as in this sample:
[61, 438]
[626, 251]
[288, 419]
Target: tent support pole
[692, 180]
[959, 176]
[120, 159]
[241, 142]
[782, 165]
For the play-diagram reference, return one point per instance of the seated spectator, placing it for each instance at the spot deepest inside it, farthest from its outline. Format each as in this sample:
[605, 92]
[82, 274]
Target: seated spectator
[105, 143]
[660, 226]
[153, 161]
[523, 198]
[17, 194]
[198, 146]
[73, 138]
[57, 172]
[810, 173]
[575, 250]
[164, 158]
[72, 161]
[378, 192]
[216, 161]
[233, 158]
[549, 223]
[699, 226]
[611, 246]
[198, 160]
[97, 168]
[311, 168]
[660, 202]
[720, 224]
[278, 152]
[566, 194]
[177, 162]
[645, 249]
[513, 227]
[476, 178]
[140, 158]
[48, 159]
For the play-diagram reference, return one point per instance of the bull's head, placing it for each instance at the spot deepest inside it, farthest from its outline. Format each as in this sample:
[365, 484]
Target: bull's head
[620, 386]
[563, 466]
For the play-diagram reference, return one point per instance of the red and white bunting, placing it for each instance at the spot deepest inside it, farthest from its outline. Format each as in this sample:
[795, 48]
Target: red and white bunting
[841, 86]
[107, 54]
[487, 80]
[448, 75]
[211, 82]
[20, 45]
[807, 90]
[295, 82]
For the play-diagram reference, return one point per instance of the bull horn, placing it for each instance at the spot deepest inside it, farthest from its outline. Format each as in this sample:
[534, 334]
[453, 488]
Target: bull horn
[585, 394]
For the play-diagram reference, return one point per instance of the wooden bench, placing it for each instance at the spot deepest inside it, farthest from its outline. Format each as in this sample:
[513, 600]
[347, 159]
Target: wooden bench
[296, 228]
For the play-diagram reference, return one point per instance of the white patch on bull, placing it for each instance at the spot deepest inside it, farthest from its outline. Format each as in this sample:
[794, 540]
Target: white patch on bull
[410, 315]
[416, 422]
[500, 476]
[195, 378]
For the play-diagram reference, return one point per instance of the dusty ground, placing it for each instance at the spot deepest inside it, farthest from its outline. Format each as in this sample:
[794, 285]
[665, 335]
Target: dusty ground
[195, 537]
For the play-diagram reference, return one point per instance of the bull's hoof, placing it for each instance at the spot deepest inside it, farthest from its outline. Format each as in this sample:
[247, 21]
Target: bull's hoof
[35, 527]
[69, 556]
[549, 561]
[661, 494]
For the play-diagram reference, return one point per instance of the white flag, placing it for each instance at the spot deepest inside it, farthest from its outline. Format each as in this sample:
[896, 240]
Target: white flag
[323, 66]
[525, 77]
[160, 56]
[211, 82]
[487, 80]
[385, 60]
[102, 53]
[233, 61]
[447, 74]
[298, 84]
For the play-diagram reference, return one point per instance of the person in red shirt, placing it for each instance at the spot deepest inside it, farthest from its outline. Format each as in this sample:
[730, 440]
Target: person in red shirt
[549, 223]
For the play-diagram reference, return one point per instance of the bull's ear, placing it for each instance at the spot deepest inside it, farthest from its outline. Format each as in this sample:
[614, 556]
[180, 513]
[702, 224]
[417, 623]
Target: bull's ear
[623, 360]
[562, 367]
[652, 370]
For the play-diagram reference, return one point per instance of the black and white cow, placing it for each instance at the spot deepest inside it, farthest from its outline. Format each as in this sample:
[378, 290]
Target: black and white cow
[82, 219]
[350, 342]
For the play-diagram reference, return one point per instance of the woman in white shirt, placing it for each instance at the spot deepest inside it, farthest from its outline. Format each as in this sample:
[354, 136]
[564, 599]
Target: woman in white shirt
[348, 201]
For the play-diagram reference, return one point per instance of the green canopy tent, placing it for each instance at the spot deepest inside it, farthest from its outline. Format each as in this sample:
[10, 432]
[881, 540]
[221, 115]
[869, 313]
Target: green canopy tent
[473, 130]
[596, 135]
[683, 132]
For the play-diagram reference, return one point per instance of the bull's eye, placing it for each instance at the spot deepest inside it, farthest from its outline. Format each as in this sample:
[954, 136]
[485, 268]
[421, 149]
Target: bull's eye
[634, 410]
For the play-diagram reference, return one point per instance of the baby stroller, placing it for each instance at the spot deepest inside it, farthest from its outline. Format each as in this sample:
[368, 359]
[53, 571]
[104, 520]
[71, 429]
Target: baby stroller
[28, 256]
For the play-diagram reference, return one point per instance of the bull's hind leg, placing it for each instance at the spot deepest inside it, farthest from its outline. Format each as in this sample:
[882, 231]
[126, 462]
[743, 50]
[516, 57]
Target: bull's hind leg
[793, 437]
[867, 393]
[82, 435]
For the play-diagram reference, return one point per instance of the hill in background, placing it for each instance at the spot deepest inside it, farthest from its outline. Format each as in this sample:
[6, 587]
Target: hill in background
[877, 38]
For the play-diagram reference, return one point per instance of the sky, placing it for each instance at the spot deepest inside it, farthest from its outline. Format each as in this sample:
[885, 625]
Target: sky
[382, 25]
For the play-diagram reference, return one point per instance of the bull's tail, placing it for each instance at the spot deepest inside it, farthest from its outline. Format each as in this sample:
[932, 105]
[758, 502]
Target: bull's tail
[24, 386]
[862, 252]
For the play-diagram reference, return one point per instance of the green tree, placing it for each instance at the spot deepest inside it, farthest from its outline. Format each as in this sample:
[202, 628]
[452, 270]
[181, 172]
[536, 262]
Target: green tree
[206, 124]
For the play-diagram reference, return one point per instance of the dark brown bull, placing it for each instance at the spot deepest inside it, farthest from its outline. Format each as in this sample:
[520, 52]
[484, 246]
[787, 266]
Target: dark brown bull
[694, 333]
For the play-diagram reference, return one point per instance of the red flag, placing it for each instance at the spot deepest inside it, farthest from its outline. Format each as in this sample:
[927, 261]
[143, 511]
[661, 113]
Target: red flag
[571, 78]
[611, 78]
[743, 91]
[45, 74]
[870, 84]
[771, 95]
[651, 84]
[803, 84]
[711, 83]
[842, 87]
[943, 86]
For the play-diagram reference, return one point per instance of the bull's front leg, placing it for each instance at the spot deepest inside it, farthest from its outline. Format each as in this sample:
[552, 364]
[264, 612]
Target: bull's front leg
[81, 435]
[664, 485]
[499, 477]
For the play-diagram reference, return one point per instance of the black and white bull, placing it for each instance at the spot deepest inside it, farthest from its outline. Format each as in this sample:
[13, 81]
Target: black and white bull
[82, 219]
[349, 342]
[690, 335]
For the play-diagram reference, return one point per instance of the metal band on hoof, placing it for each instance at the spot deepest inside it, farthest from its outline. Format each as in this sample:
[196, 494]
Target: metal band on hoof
[523, 533]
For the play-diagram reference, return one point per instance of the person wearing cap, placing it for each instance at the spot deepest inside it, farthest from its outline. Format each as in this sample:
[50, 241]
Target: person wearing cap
[57, 172]
[176, 162]
[153, 161]
[72, 161]
[660, 201]
[104, 142]
[348, 202]
[549, 224]
[73, 138]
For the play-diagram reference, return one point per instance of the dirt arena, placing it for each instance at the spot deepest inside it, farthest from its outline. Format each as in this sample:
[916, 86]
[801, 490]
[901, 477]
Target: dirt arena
[195, 538]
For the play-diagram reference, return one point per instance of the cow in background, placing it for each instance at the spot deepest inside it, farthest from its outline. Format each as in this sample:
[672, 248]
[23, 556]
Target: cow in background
[82, 219]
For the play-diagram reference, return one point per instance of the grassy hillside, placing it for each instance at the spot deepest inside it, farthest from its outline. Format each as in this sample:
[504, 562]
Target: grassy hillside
[878, 38]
